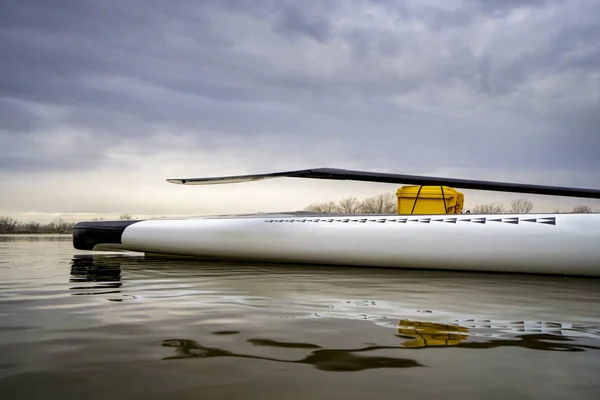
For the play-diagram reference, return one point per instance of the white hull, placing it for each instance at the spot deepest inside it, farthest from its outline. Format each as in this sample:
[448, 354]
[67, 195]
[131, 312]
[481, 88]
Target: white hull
[527, 243]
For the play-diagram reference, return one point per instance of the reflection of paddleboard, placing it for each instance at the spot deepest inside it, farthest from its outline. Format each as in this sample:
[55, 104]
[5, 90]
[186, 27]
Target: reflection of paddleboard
[529, 243]
[424, 333]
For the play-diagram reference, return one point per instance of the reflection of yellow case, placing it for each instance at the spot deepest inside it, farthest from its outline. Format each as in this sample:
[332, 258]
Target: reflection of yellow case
[432, 334]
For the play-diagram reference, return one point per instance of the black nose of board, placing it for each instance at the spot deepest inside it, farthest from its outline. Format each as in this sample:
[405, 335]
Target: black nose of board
[86, 235]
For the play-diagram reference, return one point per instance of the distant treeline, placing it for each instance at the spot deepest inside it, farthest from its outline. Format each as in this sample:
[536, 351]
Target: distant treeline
[11, 225]
[58, 225]
[387, 203]
[384, 203]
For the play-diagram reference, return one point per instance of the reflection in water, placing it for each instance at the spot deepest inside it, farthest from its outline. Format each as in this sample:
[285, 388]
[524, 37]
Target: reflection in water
[282, 328]
[415, 333]
[85, 269]
[544, 342]
[264, 290]
[45, 237]
[428, 334]
[321, 359]
[424, 334]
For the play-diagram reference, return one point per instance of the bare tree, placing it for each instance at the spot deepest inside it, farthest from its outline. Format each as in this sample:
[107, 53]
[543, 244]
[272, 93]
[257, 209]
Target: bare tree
[125, 216]
[385, 203]
[8, 224]
[322, 207]
[33, 227]
[349, 205]
[57, 224]
[521, 206]
[582, 209]
[11, 225]
[488, 209]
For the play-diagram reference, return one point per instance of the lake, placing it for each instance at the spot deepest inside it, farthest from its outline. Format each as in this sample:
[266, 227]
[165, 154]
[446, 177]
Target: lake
[90, 325]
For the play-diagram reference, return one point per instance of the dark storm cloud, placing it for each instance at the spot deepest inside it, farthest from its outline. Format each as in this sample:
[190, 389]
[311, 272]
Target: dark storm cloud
[384, 81]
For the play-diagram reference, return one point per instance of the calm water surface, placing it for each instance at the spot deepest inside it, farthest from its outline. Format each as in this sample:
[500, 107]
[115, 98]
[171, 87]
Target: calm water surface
[82, 325]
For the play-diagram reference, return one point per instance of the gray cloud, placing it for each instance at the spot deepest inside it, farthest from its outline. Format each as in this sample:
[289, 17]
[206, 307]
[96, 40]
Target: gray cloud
[502, 8]
[16, 117]
[295, 22]
[403, 84]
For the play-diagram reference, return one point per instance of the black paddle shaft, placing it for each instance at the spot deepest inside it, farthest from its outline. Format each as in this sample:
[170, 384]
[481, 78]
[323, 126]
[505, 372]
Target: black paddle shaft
[381, 177]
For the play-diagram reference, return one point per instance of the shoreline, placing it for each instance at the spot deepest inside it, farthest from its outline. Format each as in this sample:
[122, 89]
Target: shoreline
[34, 233]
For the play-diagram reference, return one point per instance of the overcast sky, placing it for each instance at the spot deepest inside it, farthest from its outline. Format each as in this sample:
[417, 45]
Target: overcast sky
[101, 101]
